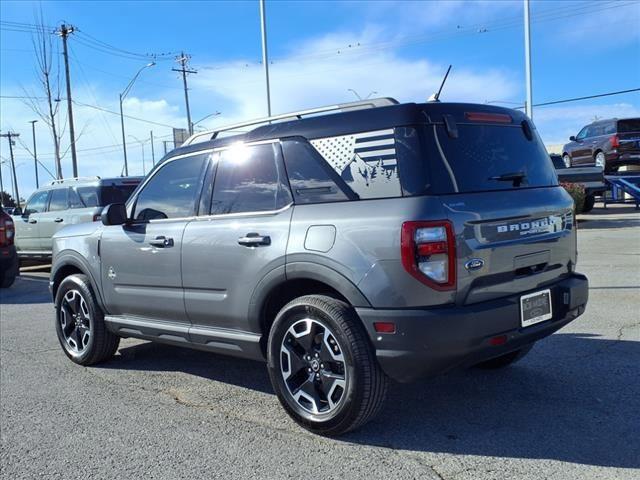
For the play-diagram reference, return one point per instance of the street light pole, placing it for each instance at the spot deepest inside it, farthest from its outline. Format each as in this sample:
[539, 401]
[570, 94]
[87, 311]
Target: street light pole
[153, 153]
[35, 153]
[122, 97]
[527, 59]
[265, 57]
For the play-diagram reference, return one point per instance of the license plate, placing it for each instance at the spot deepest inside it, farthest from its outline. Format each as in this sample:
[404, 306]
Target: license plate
[535, 308]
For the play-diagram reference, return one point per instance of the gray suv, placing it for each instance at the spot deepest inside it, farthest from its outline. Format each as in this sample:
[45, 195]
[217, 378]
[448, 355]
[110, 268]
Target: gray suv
[65, 202]
[344, 245]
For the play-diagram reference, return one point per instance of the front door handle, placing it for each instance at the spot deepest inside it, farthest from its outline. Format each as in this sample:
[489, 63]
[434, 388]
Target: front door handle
[254, 239]
[161, 242]
[58, 220]
[33, 220]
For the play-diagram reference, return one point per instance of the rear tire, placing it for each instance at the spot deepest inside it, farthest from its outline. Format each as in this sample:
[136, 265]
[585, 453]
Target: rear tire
[567, 160]
[600, 160]
[589, 202]
[322, 366]
[80, 325]
[506, 359]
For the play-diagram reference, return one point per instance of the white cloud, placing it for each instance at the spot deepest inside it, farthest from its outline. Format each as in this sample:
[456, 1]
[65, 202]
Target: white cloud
[320, 79]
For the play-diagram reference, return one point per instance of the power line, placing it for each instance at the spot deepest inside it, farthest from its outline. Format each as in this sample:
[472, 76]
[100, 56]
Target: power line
[88, 105]
[608, 94]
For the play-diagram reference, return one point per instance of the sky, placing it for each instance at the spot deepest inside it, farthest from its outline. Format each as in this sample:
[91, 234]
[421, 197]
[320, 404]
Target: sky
[318, 53]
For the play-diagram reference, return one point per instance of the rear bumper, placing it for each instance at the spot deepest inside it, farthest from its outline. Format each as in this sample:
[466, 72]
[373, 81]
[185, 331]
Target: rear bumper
[431, 341]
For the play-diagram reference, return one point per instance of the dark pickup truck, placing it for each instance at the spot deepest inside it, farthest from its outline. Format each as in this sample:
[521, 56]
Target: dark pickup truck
[592, 178]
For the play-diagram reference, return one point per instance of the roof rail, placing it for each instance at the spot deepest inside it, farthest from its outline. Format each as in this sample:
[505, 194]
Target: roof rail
[343, 107]
[73, 179]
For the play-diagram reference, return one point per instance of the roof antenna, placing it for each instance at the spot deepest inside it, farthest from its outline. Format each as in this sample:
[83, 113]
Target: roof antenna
[436, 96]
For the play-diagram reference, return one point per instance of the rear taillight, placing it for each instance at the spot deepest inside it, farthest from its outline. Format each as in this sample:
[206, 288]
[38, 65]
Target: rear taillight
[429, 254]
[615, 141]
[7, 230]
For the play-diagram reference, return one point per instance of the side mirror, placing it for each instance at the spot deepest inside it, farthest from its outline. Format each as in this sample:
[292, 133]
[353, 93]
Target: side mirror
[572, 138]
[114, 214]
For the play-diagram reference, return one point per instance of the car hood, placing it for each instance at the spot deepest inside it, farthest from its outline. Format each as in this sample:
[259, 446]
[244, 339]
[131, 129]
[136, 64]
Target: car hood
[78, 230]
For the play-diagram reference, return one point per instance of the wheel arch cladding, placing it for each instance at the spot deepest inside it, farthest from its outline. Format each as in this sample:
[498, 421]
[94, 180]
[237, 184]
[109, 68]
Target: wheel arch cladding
[272, 296]
[69, 265]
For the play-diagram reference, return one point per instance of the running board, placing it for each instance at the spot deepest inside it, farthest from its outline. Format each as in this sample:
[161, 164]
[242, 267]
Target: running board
[218, 340]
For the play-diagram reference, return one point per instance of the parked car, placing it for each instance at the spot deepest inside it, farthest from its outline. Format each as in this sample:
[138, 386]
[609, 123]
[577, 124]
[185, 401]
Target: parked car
[609, 144]
[8, 256]
[591, 178]
[343, 245]
[65, 202]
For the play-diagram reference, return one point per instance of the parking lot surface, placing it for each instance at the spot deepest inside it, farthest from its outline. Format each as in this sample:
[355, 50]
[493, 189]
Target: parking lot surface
[567, 410]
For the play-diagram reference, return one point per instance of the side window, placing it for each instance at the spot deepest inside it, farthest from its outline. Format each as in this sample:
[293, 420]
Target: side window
[249, 179]
[595, 130]
[36, 203]
[582, 134]
[311, 179]
[609, 128]
[74, 199]
[89, 196]
[366, 161]
[172, 191]
[58, 200]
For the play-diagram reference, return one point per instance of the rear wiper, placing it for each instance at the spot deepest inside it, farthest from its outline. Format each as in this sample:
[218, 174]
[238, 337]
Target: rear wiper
[515, 177]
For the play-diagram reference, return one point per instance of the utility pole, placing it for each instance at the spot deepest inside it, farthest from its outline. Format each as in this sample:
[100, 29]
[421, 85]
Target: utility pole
[1, 186]
[35, 152]
[183, 60]
[64, 32]
[265, 57]
[153, 152]
[8, 135]
[527, 59]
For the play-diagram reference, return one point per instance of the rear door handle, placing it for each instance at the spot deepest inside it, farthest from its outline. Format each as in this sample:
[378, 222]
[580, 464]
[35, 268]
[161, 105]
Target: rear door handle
[161, 242]
[33, 220]
[254, 239]
[58, 220]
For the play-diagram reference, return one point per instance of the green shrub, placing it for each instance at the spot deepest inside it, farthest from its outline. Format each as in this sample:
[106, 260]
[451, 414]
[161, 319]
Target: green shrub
[576, 190]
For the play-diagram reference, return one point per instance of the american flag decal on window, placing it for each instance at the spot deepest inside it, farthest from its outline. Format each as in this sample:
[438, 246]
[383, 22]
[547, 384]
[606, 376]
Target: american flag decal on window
[366, 161]
[376, 146]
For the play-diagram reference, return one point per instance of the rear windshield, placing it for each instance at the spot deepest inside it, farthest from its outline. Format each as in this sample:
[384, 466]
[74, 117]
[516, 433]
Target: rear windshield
[486, 157]
[105, 195]
[627, 126]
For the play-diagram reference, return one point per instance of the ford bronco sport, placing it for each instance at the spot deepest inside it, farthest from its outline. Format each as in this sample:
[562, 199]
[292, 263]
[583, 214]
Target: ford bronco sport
[344, 245]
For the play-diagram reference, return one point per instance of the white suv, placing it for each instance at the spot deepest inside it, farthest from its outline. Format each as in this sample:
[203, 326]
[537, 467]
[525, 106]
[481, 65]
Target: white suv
[65, 202]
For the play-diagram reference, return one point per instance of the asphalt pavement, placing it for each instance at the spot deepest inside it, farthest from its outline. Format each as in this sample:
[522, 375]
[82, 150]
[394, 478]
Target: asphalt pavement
[570, 409]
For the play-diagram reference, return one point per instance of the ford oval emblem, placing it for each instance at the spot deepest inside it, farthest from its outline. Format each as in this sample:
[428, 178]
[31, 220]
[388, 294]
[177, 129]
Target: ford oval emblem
[474, 264]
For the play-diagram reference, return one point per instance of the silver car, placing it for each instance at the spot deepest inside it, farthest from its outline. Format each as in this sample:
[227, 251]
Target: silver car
[65, 202]
[382, 241]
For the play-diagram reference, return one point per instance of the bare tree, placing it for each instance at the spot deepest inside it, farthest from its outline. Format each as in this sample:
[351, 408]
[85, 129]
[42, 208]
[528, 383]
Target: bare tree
[48, 75]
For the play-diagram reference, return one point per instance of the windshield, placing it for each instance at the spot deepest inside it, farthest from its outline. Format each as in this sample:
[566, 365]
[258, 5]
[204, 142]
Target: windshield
[488, 157]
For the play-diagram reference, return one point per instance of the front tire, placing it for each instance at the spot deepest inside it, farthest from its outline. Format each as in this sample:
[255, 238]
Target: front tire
[80, 325]
[322, 366]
